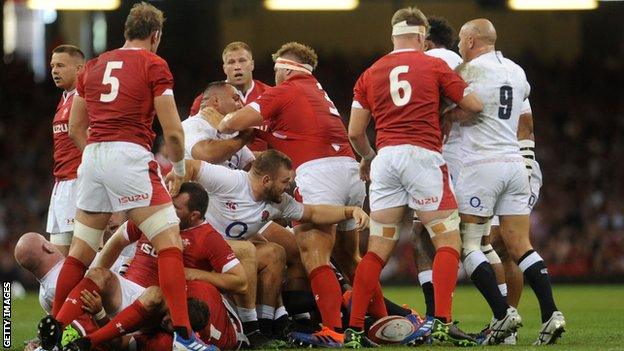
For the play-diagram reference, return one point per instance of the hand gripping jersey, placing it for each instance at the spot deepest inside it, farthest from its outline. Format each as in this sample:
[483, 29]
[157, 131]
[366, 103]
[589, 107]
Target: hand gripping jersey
[233, 211]
[302, 121]
[502, 86]
[119, 87]
[403, 90]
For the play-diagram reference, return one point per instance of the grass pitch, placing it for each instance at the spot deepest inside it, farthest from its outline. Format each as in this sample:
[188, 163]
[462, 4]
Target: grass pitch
[594, 316]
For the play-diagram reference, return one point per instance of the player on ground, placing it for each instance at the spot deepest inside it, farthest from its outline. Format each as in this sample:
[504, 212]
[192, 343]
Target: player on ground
[402, 91]
[305, 125]
[238, 66]
[66, 62]
[494, 176]
[204, 142]
[117, 96]
[206, 257]
[440, 39]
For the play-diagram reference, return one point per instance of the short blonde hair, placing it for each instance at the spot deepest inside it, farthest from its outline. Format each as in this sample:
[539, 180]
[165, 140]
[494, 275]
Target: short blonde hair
[412, 15]
[301, 52]
[143, 20]
[236, 45]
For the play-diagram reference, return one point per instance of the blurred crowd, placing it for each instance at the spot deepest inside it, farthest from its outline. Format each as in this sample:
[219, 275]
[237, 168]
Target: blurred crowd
[578, 224]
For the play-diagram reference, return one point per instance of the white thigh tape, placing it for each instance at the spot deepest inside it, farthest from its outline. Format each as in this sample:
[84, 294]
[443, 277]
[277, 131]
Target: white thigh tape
[92, 236]
[388, 231]
[443, 225]
[159, 221]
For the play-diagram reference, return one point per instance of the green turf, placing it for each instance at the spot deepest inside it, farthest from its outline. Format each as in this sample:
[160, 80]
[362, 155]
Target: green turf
[594, 314]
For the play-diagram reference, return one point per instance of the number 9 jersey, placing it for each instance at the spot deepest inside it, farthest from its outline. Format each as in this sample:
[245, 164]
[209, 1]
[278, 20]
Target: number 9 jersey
[502, 86]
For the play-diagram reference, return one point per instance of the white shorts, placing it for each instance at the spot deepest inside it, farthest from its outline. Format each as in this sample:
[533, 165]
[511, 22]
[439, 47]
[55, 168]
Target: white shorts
[331, 181]
[118, 176]
[130, 292]
[494, 187]
[454, 163]
[62, 207]
[536, 185]
[410, 175]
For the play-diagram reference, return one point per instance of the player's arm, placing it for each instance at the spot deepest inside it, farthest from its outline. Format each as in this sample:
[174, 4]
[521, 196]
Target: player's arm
[113, 247]
[78, 122]
[242, 119]
[234, 280]
[330, 214]
[358, 122]
[169, 119]
[526, 136]
[218, 151]
[467, 108]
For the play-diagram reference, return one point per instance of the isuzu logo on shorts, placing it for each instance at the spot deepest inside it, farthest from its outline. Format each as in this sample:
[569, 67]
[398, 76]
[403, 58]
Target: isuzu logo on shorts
[427, 201]
[132, 198]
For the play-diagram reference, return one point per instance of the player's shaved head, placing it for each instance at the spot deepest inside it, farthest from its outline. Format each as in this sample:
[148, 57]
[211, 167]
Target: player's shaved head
[482, 29]
[476, 38]
[36, 254]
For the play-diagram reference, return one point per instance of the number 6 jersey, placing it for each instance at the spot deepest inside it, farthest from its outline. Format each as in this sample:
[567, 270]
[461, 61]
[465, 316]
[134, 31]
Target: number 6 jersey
[402, 90]
[502, 86]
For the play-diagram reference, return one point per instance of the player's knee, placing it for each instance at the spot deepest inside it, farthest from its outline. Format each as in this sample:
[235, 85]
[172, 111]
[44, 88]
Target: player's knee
[91, 236]
[152, 298]
[471, 234]
[159, 222]
[100, 276]
[491, 254]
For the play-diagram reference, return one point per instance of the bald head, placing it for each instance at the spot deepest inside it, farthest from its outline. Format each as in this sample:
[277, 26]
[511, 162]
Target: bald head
[36, 254]
[476, 37]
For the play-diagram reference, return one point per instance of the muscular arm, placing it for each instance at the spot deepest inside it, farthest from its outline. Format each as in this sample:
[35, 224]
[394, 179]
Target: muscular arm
[358, 123]
[467, 109]
[233, 281]
[172, 127]
[113, 247]
[525, 127]
[217, 151]
[78, 122]
[330, 214]
[242, 119]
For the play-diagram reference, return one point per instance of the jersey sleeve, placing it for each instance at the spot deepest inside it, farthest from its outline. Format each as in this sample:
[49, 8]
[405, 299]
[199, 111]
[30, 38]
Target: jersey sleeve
[195, 131]
[246, 157]
[159, 77]
[359, 93]
[218, 179]
[451, 84]
[291, 208]
[526, 107]
[272, 101]
[219, 253]
[131, 232]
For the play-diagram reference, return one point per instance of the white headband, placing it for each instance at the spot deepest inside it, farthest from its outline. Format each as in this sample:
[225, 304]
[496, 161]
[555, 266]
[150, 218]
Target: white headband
[404, 28]
[293, 65]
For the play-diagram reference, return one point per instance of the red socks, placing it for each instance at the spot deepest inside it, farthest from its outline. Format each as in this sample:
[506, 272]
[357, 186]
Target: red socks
[173, 285]
[444, 279]
[127, 321]
[365, 287]
[72, 308]
[327, 294]
[71, 273]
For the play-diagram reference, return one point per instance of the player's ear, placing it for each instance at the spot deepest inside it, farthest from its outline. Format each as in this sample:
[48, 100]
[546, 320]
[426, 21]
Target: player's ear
[47, 247]
[252, 64]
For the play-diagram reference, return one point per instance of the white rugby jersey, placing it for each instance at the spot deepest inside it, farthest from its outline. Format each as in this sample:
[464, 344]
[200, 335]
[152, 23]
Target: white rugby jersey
[502, 86]
[232, 209]
[451, 150]
[47, 287]
[197, 129]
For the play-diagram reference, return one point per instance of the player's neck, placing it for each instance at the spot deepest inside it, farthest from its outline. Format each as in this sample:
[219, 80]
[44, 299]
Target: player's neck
[481, 51]
[70, 89]
[245, 87]
[256, 187]
[138, 44]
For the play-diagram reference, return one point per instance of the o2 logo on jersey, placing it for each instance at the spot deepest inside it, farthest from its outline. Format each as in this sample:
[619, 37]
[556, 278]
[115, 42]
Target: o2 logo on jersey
[475, 202]
[532, 200]
[234, 227]
[148, 249]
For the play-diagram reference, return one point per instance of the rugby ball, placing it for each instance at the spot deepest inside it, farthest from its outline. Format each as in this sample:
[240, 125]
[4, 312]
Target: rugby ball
[390, 330]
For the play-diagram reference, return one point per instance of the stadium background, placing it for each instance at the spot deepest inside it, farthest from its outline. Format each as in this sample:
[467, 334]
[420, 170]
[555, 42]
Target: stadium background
[574, 61]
